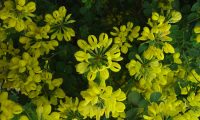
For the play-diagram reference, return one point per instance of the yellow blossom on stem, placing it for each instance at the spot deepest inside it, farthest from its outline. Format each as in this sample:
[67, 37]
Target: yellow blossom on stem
[59, 22]
[97, 56]
[101, 100]
[124, 34]
[15, 13]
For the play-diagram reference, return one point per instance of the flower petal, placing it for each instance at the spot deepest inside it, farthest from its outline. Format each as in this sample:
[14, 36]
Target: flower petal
[115, 67]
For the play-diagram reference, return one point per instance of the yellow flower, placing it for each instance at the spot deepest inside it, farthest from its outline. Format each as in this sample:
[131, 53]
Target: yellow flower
[152, 51]
[197, 29]
[198, 38]
[58, 22]
[168, 48]
[155, 16]
[168, 107]
[185, 90]
[59, 93]
[133, 67]
[153, 111]
[68, 109]
[141, 70]
[194, 99]
[43, 111]
[176, 58]
[36, 40]
[102, 100]
[16, 13]
[157, 35]
[124, 34]
[165, 4]
[134, 33]
[95, 57]
[147, 34]
[23, 117]
[8, 107]
[175, 16]
[193, 76]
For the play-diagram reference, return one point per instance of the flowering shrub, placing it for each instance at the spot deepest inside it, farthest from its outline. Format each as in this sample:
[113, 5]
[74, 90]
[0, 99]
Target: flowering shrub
[99, 60]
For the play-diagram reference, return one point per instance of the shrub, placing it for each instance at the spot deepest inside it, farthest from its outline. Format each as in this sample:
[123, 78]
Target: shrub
[99, 59]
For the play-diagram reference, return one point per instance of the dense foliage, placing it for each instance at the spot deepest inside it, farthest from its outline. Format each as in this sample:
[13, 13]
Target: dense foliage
[99, 59]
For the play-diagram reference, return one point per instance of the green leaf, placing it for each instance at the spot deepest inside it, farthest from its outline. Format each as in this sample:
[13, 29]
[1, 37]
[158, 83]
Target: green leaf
[83, 10]
[175, 32]
[142, 47]
[196, 6]
[155, 96]
[177, 88]
[173, 66]
[143, 103]
[146, 4]
[192, 16]
[60, 66]
[176, 4]
[30, 111]
[131, 55]
[134, 97]
[131, 114]
[197, 70]
[148, 11]
[14, 96]
[186, 9]
[16, 117]
[169, 118]
[84, 31]
[84, 1]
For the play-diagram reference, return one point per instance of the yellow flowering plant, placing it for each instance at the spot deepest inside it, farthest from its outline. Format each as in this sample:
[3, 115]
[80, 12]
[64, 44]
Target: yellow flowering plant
[99, 60]
[97, 57]
[14, 13]
[125, 34]
[59, 24]
[101, 100]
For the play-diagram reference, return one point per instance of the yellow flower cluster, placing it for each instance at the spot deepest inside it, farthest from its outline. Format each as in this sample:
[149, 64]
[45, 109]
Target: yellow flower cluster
[193, 76]
[124, 34]
[102, 100]
[157, 35]
[189, 115]
[15, 13]
[5, 50]
[152, 75]
[3, 34]
[170, 107]
[44, 109]
[19, 80]
[97, 57]
[59, 24]
[69, 109]
[143, 70]
[8, 108]
[25, 75]
[177, 109]
[21, 70]
[161, 80]
[34, 42]
[169, 88]
[165, 4]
